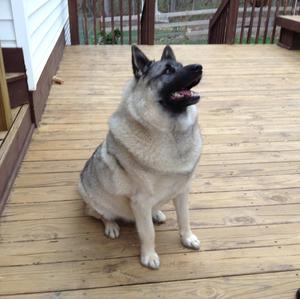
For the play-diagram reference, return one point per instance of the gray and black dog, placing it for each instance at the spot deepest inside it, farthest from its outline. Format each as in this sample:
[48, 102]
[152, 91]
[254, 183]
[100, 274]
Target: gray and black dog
[150, 152]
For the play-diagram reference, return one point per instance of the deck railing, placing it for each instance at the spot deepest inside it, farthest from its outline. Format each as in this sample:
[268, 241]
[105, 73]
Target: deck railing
[112, 21]
[248, 21]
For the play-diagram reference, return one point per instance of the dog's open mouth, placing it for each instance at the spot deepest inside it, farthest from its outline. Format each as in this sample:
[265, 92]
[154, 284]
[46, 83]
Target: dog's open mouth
[185, 94]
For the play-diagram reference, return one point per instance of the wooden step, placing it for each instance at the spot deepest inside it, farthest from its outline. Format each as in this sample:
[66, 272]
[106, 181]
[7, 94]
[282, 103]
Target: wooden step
[13, 148]
[17, 89]
[290, 32]
[12, 77]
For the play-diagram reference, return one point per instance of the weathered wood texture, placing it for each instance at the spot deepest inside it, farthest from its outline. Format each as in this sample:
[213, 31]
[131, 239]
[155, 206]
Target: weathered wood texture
[245, 198]
[290, 32]
[12, 150]
[16, 76]
[5, 110]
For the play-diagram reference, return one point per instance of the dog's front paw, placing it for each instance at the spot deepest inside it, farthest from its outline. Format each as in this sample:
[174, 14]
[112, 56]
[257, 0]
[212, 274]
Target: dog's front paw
[191, 241]
[150, 260]
[112, 230]
[159, 217]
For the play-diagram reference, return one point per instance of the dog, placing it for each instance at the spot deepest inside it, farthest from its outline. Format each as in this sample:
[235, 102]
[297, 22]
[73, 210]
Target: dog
[150, 153]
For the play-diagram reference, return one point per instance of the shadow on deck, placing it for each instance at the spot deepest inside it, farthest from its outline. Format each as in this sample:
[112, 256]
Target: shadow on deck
[245, 202]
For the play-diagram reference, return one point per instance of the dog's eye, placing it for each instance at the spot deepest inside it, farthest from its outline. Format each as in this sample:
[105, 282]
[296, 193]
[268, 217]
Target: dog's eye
[169, 70]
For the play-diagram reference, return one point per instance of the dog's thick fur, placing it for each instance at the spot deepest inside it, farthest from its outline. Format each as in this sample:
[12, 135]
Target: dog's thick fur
[148, 157]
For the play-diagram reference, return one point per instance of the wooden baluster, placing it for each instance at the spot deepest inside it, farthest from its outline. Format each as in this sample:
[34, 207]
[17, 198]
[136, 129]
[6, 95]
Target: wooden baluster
[251, 22]
[100, 18]
[259, 22]
[103, 16]
[285, 2]
[112, 21]
[217, 32]
[295, 7]
[129, 14]
[221, 29]
[224, 25]
[138, 12]
[267, 20]
[86, 33]
[293, 2]
[274, 24]
[73, 19]
[214, 34]
[121, 20]
[5, 112]
[220, 36]
[243, 21]
[231, 21]
[94, 22]
[148, 23]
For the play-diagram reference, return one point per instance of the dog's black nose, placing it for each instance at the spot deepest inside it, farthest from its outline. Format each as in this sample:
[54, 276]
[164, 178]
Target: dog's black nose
[197, 68]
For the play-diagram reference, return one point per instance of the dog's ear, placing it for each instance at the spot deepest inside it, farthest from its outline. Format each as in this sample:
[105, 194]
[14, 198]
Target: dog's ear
[168, 54]
[140, 62]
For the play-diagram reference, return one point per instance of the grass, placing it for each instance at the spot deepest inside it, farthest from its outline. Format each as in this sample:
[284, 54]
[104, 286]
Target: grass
[252, 40]
[174, 36]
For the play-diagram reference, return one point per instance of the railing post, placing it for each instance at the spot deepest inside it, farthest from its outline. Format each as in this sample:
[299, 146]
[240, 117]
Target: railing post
[73, 19]
[148, 23]
[5, 112]
[233, 11]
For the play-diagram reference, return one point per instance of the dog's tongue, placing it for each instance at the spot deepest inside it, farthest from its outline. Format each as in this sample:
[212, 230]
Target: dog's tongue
[178, 95]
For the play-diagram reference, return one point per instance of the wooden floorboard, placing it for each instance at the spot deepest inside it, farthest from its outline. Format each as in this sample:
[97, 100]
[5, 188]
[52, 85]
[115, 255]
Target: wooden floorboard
[244, 202]
[270, 285]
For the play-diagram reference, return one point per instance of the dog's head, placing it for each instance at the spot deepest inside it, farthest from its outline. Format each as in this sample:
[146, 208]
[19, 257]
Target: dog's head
[168, 79]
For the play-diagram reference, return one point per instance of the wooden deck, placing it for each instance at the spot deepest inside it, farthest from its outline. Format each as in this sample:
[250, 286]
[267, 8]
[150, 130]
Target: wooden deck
[245, 199]
[3, 134]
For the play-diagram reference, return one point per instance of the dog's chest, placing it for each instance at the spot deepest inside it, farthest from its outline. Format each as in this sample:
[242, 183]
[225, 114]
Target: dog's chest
[162, 188]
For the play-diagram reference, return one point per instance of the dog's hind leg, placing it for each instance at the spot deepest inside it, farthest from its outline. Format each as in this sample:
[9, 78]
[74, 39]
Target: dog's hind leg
[111, 228]
[158, 217]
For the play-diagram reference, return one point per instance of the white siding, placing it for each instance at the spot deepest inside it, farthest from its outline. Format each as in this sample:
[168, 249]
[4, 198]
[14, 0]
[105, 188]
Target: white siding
[7, 30]
[34, 25]
[46, 20]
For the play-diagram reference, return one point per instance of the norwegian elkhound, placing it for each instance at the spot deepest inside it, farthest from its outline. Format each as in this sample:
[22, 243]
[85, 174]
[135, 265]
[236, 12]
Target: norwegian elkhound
[150, 152]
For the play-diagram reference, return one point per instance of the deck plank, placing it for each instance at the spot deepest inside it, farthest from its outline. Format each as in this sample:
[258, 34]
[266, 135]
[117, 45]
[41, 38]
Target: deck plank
[217, 217]
[245, 198]
[269, 285]
[96, 246]
[124, 271]
[210, 184]
[199, 200]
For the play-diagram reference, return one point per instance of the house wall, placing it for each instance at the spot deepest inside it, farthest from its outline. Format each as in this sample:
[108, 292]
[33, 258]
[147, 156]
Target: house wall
[35, 26]
[46, 20]
[7, 30]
